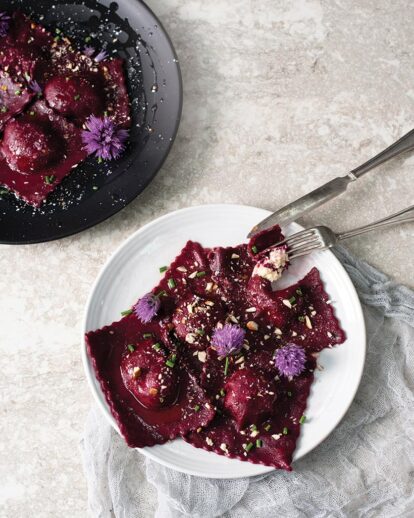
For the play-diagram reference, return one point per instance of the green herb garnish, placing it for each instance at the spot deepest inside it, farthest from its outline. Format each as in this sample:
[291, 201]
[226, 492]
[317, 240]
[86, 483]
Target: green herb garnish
[76, 97]
[131, 348]
[299, 292]
[49, 179]
[248, 446]
[99, 160]
[292, 300]
[200, 274]
[162, 293]
[301, 319]
[196, 408]
[222, 393]
[171, 283]
[169, 363]
[18, 92]
[156, 346]
[259, 443]
[302, 419]
[147, 335]
[289, 394]
[3, 109]
[253, 427]
[163, 269]
[200, 331]
[126, 312]
[254, 249]
[285, 431]
[88, 39]
[267, 427]
[226, 366]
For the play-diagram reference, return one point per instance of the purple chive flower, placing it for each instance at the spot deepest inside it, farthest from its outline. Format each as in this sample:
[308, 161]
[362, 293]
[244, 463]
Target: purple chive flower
[103, 138]
[89, 51]
[147, 307]
[35, 87]
[101, 56]
[290, 360]
[4, 24]
[228, 339]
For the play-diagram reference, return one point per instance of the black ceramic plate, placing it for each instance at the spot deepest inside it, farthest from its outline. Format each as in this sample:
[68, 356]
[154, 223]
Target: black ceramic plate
[93, 192]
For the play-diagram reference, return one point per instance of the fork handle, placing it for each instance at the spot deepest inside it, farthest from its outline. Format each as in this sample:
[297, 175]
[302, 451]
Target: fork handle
[404, 216]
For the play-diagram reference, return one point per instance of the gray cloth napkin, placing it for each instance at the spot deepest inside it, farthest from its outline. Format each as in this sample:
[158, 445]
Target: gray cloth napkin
[365, 468]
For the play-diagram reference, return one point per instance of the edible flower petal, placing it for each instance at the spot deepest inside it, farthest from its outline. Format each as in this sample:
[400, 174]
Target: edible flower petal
[290, 360]
[103, 138]
[89, 51]
[147, 307]
[101, 56]
[228, 339]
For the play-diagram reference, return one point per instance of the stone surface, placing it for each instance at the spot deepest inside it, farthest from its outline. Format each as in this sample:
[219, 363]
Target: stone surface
[279, 98]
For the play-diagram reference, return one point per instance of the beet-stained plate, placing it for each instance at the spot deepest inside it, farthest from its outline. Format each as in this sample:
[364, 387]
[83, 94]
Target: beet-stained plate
[93, 192]
[133, 271]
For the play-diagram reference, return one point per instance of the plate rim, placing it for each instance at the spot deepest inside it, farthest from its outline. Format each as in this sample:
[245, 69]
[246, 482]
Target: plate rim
[90, 375]
[145, 184]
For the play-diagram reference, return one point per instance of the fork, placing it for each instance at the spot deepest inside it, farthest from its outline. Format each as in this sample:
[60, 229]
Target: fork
[322, 238]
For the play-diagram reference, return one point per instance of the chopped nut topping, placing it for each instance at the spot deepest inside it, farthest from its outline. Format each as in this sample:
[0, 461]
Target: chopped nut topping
[209, 441]
[308, 322]
[209, 286]
[276, 436]
[278, 331]
[235, 256]
[192, 275]
[153, 391]
[287, 303]
[250, 310]
[252, 325]
[136, 372]
[240, 360]
[190, 338]
[201, 356]
[254, 433]
[209, 303]
[223, 447]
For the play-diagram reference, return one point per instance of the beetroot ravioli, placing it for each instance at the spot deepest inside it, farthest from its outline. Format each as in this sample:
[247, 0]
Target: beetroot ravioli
[57, 105]
[215, 355]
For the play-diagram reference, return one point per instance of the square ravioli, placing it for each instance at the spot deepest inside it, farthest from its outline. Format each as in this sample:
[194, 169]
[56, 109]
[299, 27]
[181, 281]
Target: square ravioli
[38, 150]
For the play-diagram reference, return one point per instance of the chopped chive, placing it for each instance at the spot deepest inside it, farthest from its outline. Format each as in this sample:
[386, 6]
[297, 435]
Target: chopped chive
[254, 249]
[49, 179]
[196, 408]
[57, 30]
[169, 363]
[106, 114]
[285, 431]
[289, 394]
[171, 283]
[3, 109]
[292, 300]
[253, 427]
[18, 92]
[222, 393]
[200, 274]
[131, 348]
[99, 160]
[302, 419]
[56, 38]
[267, 427]
[173, 357]
[147, 335]
[200, 331]
[76, 97]
[163, 269]
[259, 443]
[301, 319]
[88, 39]
[156, 346]
[299, 291]
[226, 366]
[162, 293]
[126, 312]
[3, 191]
[248, 446]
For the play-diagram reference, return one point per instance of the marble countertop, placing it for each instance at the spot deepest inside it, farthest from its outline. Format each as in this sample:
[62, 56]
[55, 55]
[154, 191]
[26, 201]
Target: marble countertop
[279, 97]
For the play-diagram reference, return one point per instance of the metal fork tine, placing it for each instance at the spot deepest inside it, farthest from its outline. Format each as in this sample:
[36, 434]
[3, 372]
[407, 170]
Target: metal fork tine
[294, 237]
[306, 251]
[301, 244]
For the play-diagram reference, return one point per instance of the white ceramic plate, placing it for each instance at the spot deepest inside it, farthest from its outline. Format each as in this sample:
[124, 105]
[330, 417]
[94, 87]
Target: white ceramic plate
[133, 270]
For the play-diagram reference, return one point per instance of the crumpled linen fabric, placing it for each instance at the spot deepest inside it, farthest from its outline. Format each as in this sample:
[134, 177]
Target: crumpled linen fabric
[365, 468]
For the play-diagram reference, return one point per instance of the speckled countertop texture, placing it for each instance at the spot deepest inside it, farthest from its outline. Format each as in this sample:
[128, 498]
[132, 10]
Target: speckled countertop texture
[280, 96]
